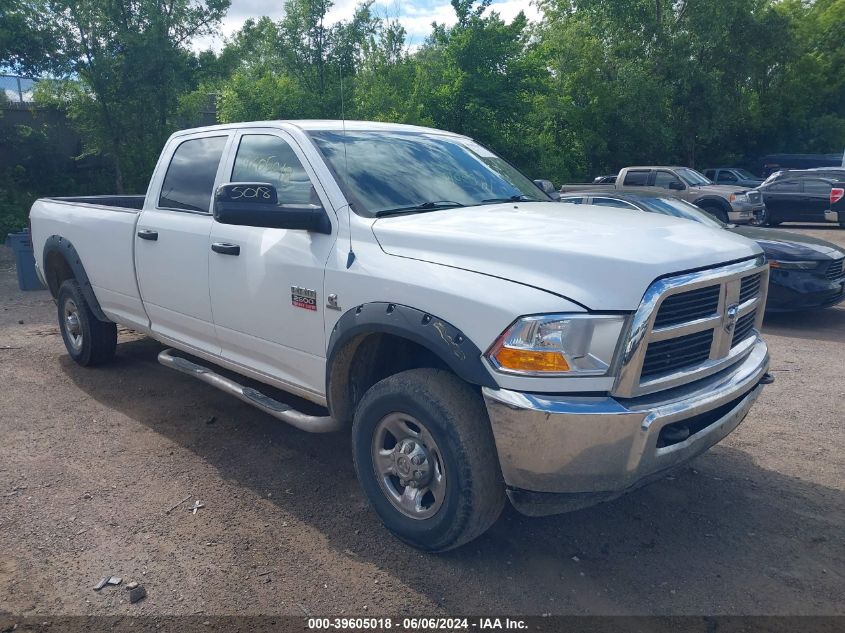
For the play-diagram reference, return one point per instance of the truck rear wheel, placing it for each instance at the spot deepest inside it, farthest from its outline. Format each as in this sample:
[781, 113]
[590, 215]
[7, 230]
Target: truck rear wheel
[426, 460]
[88, 340]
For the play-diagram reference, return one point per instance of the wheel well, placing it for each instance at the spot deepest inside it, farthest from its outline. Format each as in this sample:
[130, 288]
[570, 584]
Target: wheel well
[57, 270]
[365, 360]
[713, 203]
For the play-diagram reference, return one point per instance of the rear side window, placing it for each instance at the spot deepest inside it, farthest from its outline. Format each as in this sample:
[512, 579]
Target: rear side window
[267, 158]
[636, 178]
[820, 187]
[189, 181]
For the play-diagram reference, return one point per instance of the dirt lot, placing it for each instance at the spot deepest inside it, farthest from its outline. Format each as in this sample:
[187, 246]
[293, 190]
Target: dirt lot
[90, 460]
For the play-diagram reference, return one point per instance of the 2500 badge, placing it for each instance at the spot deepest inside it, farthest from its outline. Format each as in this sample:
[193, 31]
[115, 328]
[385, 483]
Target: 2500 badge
[303, 298]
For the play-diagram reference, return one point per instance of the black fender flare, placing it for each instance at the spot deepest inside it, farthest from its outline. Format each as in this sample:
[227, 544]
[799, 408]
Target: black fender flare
[713, 201]
[62, 246]
[438, 336]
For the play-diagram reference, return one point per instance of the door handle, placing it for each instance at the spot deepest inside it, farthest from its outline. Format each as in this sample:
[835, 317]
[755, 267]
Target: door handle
[148, 234]
[226, 249]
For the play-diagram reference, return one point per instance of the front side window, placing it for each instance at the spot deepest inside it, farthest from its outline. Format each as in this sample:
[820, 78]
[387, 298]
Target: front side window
[573, 200]
[786, 186]
[270, 159]
[726, 176]
[189, 181]
[692, 178]
[385, 172]
[663, 179]
[819, 187]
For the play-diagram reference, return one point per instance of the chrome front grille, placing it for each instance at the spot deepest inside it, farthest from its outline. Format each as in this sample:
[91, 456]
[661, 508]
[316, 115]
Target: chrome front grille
[742, 329]
[754, 196]
[693, 325]
[687, 306]
[674, 353]
[834, 270]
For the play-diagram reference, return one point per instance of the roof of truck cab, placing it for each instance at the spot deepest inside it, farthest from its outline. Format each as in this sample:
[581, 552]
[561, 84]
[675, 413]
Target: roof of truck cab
[311, 125]
[656, 167]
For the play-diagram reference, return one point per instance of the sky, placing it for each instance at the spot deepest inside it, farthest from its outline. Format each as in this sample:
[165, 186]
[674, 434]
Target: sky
[415, 15]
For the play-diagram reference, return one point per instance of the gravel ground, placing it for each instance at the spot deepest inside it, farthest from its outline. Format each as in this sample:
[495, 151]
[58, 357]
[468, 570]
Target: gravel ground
[92, 459]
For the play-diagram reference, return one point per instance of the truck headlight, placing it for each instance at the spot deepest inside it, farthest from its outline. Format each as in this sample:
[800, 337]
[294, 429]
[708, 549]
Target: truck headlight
[738, 197]
[558, 345]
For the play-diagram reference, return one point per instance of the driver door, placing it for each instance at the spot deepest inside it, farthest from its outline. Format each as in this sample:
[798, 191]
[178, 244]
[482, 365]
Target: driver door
[259, 276]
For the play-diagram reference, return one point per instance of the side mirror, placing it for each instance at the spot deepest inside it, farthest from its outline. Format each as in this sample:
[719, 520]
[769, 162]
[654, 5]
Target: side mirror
[677, 186]
[546, 185]
[257, 204]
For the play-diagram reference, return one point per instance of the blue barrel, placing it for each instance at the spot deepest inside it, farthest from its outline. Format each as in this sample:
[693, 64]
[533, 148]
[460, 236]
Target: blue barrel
[21, 244]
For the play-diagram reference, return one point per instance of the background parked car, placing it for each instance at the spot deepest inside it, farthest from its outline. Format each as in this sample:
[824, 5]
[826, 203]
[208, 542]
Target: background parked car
[733, 176]
[806, 272]
[799, 198]
[777, 162]
[728, 203]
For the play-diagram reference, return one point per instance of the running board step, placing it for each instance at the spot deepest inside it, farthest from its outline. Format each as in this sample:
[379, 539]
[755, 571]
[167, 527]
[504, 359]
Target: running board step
[279, 410]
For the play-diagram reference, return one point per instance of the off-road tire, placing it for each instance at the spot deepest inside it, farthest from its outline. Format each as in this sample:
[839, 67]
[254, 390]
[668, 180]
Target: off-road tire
[455, 416]
[98, 338]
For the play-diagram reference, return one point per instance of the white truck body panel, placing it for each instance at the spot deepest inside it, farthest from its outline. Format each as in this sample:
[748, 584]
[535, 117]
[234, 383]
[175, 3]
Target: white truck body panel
[105, 237]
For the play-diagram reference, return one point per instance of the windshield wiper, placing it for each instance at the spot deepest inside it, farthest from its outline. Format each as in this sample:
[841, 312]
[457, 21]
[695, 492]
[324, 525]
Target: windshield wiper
[519, 198]
[422, 206]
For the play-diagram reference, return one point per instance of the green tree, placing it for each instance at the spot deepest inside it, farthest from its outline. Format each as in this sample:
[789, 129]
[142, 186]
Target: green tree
[130, 61]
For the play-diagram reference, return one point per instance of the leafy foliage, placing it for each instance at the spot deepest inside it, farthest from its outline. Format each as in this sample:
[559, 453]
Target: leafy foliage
[596, 85]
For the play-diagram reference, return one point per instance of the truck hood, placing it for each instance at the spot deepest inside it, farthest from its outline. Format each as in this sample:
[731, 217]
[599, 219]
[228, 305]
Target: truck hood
[600, 257]
[720, 190]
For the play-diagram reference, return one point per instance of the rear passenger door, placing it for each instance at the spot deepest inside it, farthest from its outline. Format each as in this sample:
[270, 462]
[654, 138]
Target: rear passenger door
[816, 199]
[171, 242]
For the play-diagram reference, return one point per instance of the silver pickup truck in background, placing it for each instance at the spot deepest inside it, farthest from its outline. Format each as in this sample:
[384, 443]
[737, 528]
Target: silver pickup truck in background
[738, 205]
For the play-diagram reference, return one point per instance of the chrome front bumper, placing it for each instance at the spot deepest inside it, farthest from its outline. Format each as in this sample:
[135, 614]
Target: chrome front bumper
[744, 212]
[561, 452]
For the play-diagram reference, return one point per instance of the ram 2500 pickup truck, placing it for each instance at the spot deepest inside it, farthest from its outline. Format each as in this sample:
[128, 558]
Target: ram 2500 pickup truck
[738, 205]
[478, 341]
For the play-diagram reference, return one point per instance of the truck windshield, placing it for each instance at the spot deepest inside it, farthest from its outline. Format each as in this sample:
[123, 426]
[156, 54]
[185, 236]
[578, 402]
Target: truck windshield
[693, 178]
[385, 172]
[746, 174]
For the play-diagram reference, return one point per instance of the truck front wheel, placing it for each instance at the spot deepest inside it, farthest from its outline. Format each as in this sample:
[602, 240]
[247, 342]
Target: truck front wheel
[88, 340]
[426, 460]
[716, 211]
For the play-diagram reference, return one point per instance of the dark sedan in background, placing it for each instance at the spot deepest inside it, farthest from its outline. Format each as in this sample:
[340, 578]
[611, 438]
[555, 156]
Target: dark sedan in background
[806, 272]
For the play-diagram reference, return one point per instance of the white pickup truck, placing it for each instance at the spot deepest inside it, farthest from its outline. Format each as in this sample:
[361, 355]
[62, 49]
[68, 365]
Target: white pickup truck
[478, 341]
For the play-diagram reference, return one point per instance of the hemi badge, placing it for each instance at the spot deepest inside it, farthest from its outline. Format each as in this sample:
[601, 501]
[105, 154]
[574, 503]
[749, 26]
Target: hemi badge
[303, 298]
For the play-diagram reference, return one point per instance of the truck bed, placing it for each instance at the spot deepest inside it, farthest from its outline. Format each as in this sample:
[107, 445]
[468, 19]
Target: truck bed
[135, 202]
